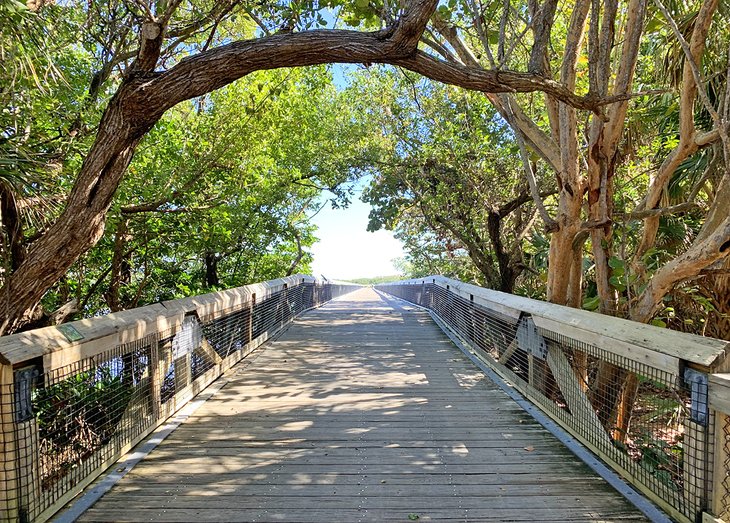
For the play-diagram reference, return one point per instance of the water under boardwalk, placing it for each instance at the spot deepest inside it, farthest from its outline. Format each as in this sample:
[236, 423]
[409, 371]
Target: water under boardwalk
[362, 410]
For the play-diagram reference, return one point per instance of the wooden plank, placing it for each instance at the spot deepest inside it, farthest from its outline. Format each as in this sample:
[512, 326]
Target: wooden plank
[387, 439]
[207, 350]
[103, 333]
[709, 518]
[507, 354]
[383, 488]
[627, 349]
[719, 392]
[29, 473]
[720, 470]
[694, 463]
[375, 499]
[318, 515]
[99, 335]
[579, 405]
[252, 479]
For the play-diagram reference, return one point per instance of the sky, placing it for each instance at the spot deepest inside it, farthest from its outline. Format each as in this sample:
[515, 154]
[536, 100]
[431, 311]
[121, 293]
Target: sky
[346, 250]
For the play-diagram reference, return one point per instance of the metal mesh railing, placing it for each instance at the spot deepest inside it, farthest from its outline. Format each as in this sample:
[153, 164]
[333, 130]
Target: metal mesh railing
[650, 424]
[81, 415]
[63, 427]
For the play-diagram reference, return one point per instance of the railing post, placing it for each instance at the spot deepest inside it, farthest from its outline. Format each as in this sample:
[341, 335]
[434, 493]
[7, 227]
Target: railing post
[182, 362]
[532, 342]
[694, 466]
[719, 396]
[721, 467]
[156, 377]
[19, 473]
[9, 502]
[250, 317]
[471, 323]
[284, 305]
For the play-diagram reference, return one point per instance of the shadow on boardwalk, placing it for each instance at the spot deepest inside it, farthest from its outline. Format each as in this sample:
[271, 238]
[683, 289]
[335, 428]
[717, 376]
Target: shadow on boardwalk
[362, 411]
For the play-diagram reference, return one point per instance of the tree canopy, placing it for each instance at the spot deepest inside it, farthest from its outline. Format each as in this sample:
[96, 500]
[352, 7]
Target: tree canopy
[576, 151]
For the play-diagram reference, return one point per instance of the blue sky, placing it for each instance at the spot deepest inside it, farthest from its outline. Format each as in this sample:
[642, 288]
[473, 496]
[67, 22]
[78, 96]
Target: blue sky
[346, 250]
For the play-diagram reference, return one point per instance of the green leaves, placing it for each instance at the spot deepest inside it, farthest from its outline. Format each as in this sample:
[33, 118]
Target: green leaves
[221, 191]
[13, 7]
[592, 303]
[445, 169]
[620, 279]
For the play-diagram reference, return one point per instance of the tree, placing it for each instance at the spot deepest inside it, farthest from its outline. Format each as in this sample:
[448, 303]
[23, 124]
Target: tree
[451, 166]
[592, 48]
[146, 92]
[596, 48]
[220, 193]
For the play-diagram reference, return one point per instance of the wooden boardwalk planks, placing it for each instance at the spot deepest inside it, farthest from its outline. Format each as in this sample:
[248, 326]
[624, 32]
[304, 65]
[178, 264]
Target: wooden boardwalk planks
[362, 411]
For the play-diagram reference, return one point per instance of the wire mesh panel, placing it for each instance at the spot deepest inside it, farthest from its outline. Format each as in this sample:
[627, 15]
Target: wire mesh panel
[650, 424]
[230, 331]
[73, 420]
[62, 427]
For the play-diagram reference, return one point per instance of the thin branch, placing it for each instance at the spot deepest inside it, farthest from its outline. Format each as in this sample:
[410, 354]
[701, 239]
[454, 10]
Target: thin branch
[532, 182]
[689, 58]
[658, 212]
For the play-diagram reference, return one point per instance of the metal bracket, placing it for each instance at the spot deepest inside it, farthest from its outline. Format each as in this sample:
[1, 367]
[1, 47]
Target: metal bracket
[25, 379]
[697, 382]
[530, 340]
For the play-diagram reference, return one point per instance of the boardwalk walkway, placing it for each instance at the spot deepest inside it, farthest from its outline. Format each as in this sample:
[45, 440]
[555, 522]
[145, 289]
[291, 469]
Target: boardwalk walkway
[362, 411]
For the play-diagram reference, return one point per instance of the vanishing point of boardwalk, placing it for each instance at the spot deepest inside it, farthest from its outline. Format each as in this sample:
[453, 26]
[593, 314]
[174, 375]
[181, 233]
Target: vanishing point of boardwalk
[362, 410]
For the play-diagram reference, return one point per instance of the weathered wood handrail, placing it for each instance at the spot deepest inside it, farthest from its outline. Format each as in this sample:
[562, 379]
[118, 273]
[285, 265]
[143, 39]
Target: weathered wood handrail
[550, 353]
[122, 327]
[74, 398]
[666, 349]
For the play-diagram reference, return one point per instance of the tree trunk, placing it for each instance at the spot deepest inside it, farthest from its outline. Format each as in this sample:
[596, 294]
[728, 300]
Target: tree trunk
[121, 270]
[562, 280]
[300, 252]
[508, 271]
[12, 224]
[211, 270]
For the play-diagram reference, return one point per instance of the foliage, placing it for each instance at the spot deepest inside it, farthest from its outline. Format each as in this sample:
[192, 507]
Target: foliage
[234, 172]
[221, 191]
[92, 401]
[377, 279]
[77, 416]
[448, 181]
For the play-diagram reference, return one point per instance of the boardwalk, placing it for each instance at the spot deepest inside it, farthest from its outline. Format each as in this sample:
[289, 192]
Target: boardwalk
[362, 411]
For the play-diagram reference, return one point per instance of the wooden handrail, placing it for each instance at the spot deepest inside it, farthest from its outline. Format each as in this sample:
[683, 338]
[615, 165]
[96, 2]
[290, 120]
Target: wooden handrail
[172, 341]
[661, 348]
[696, 368]
[96, 335]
